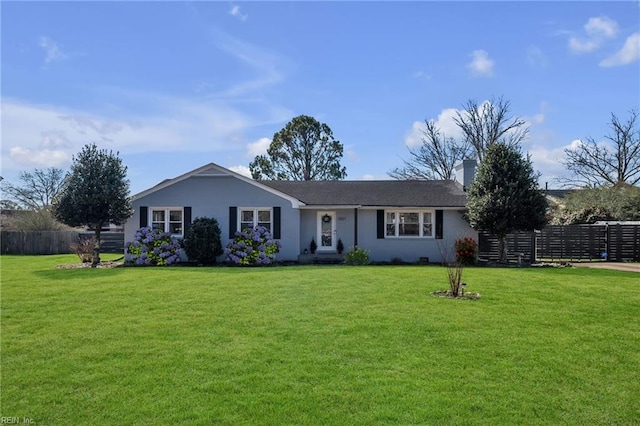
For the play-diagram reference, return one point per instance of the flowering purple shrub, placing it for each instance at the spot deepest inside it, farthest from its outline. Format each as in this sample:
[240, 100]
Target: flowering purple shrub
[152, 247]
[252, 247]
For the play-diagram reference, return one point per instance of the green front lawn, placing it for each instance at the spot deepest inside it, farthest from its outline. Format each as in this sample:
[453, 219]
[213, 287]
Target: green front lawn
[317, 345]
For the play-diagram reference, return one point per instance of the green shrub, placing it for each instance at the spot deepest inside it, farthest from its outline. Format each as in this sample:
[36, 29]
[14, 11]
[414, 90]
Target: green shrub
[202, 241]
[38, 220]
[356, 256]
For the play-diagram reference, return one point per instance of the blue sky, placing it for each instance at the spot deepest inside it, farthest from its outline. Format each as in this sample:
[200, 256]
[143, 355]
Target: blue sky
[176, 85]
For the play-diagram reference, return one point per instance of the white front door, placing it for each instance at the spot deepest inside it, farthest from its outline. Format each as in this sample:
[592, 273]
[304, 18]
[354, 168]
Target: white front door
[326, 231]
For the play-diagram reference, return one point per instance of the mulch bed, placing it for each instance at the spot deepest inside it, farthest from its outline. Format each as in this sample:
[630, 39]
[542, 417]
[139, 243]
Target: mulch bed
[447, 294]
[112, 264]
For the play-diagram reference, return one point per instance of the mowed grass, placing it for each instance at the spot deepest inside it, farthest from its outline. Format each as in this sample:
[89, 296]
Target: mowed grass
[317, 345]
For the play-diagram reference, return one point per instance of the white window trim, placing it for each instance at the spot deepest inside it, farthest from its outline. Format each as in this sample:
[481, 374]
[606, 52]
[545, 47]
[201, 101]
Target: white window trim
[255, 216]
[420, 225]
[166, 218]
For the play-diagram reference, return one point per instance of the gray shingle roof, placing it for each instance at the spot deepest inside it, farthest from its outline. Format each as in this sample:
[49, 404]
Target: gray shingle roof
[392, 193]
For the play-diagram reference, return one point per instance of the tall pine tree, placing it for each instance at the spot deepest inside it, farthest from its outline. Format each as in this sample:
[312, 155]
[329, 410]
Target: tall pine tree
[304, 150]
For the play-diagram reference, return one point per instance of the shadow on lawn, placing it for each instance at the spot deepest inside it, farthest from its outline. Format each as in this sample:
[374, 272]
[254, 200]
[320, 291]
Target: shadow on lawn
[67, 274]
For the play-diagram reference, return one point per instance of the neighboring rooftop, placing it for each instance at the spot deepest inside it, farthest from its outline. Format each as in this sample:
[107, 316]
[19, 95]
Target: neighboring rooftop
[392, 193]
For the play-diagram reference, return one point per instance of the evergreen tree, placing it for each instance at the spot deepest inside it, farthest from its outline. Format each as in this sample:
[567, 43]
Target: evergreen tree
[304, 150]
[504, 196]
[96, 191]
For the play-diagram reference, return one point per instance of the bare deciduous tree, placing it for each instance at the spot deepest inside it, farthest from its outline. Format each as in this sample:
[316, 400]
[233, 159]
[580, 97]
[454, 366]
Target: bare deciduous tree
[435, 158]
[37, 189]
[614, 161]
[488, 123]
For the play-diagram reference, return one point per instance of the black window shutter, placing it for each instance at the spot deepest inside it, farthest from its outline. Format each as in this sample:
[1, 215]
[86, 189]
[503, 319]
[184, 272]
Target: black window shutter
[276, 223]
[380, 223]
[233, 221]
[144, 216]
[438, 224]
[187, 220]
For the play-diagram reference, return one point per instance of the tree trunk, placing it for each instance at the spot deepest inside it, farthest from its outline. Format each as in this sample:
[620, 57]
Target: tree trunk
[502, 248]
[96, 246]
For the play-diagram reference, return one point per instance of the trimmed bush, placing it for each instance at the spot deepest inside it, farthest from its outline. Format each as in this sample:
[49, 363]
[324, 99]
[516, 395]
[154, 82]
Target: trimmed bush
[252, 247]
[152, 247]
[356, 256]
[202, 241]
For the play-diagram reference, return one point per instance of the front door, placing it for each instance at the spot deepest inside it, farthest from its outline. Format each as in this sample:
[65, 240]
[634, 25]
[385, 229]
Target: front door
[326, 231]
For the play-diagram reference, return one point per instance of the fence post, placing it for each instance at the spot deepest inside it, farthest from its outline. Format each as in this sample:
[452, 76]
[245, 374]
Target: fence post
[607, 247]
[532, 247]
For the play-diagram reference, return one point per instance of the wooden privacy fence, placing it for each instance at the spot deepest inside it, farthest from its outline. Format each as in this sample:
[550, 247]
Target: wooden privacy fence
[614, 243]
[55, 242]
[572, 242]
[518, 243]
[624, 242]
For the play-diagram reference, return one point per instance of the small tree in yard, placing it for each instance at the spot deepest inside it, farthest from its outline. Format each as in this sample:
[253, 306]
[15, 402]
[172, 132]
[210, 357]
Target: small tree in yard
[96, 191]
[202, 241]
[504, 196]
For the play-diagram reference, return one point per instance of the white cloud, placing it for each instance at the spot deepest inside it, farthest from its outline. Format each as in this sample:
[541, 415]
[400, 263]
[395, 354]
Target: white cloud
[601, 27]
[236, 12]
[582, 46]
[267, 66]
[546, 160]
[480, 64]
[40, 157]
[243, 170]
[258, 147]
[368, 177]
[422, 75]
[538, 118]
[169, 125]
[445, 122]
[51, 49]
[629, 53]
[598, 30]
[536, 57]
[413, 137]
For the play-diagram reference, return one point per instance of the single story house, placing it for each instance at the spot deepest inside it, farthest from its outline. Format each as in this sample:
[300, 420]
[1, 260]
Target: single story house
[408, 220]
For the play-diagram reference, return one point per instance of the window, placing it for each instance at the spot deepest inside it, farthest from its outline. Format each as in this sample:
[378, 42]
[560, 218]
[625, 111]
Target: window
[167, 220]
[252, 217]
[409, 223]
